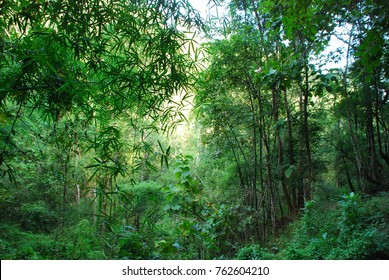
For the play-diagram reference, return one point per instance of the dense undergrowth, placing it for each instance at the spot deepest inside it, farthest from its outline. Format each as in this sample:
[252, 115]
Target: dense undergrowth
[354, 227]
[351, 228]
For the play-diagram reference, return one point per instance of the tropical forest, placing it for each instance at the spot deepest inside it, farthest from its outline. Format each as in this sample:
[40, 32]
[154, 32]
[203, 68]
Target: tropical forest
[188, 130]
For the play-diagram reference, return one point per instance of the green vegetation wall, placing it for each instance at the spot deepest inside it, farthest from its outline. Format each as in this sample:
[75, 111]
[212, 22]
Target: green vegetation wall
[285, 153]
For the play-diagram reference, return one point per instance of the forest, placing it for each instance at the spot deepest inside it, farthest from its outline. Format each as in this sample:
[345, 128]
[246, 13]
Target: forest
[144, 129]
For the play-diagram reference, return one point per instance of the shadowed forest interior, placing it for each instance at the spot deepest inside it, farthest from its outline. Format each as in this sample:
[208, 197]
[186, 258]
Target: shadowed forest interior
[145, 129]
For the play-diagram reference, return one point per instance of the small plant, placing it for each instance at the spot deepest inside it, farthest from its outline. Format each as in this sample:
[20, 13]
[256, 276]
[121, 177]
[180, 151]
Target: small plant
[254, 252]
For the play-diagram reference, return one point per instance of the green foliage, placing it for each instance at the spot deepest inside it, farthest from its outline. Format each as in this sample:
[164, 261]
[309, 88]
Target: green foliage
[86, 243]
[254, 252]
[132, 245]
[80, 242]
[349, 231]
[183, 202]
[17, 244]
[91, 167]
[37, 217]
[82, 86]
[141, 206]
[185, 193]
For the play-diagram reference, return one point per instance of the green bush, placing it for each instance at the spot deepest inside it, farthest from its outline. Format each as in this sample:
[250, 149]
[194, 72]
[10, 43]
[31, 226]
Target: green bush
[7, 251]
[133, 245]
[17, 244]
[377, 213]
[254, 252]
[83, 242]
[356, 228]
[37, 217]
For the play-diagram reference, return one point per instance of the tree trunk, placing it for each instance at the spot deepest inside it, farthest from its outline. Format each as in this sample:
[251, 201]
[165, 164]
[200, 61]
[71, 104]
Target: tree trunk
[292, 161]
[306, 137]
[280, 161]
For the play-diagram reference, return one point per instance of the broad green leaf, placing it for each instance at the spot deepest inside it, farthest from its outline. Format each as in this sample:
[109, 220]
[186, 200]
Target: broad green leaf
[289, 171]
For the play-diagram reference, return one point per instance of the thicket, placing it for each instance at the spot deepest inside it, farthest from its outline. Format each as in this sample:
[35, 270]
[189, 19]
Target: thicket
[351, 228]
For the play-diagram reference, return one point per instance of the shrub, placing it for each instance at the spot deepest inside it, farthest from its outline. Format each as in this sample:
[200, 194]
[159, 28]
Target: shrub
[17, 244]
[83, 242]
[357, 228]
[133, 246]
[37, 217]
[254, 252]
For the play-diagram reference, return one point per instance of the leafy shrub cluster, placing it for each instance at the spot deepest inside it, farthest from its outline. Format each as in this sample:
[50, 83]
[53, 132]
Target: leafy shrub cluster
[354, 228]
[79, 242]
[176, 222]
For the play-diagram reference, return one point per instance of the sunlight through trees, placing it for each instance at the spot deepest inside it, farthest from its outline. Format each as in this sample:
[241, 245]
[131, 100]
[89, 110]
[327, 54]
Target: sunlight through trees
[150, 130]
